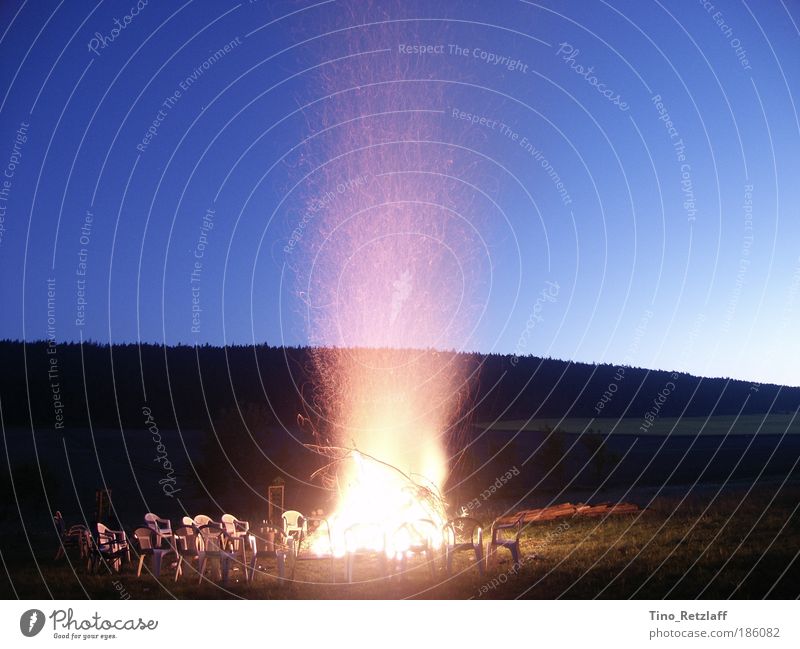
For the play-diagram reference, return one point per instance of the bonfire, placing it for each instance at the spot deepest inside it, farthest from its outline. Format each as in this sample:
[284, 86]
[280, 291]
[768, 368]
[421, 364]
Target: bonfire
[380, 508]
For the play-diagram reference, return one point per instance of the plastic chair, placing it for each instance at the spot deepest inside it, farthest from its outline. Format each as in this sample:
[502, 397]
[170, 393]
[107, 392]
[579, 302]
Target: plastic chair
[147, 540]
[414, 538]
[265, 545]
[201, 520]
[500, 538]
[294, 525]
[300, 534]
[357, 535]
[110, 546]
[238, 535]
[161, 526]
[213, 548]
[187, 546]
[463, 534]
[76, 537]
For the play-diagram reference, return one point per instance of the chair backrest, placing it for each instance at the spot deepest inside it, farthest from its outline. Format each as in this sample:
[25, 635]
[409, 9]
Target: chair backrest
[202, 520]
[159, 525]
[293, 521]
[106, 537]
[229, 524]
[145, 538]
[78, 530]
[186, 540]
[413, 535]
[463, 529]
[187, 520]
[213, 539]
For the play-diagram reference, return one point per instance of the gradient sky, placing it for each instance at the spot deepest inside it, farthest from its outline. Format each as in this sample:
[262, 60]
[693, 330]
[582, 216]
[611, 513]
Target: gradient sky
[644, 276]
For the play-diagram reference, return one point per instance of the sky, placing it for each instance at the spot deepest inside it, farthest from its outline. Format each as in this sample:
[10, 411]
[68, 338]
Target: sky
[624, 173]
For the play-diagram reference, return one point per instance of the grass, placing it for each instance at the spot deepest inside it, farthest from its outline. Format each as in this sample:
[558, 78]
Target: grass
[732, 546]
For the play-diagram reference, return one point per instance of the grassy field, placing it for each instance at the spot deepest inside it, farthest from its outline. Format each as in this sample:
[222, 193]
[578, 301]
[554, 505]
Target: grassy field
[775, 424]
[733, 545]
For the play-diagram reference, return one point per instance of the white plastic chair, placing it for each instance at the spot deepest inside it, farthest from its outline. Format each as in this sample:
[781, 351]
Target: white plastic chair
[375, 538]
[110, 546]
[294, 525]
[147, 540]
[161, 526]
[238, 535]
[188, 545]
[414, 538]
[201, 520]
[265, 545]
[214, 548]
[298, 524]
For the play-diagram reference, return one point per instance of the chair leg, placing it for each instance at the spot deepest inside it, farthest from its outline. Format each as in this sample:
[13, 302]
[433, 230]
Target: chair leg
[141, 563]
[250, 570]
[201, 568]
[224, 566]
[479, 558]
[157, 558]
[281, 557]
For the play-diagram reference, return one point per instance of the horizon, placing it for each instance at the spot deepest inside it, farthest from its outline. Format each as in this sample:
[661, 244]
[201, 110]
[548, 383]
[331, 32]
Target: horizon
[232, 345]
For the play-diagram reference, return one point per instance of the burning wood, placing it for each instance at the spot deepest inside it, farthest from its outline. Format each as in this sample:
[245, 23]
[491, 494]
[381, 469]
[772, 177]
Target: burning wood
[377, 501]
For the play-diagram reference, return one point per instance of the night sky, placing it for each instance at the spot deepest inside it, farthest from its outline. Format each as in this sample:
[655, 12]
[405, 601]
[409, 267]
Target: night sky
[631, 169]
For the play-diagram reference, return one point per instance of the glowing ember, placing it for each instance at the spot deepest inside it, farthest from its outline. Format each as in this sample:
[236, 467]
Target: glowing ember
[388, 274]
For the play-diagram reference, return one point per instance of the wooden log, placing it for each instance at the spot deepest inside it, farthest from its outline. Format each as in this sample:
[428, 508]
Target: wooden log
[566, 510]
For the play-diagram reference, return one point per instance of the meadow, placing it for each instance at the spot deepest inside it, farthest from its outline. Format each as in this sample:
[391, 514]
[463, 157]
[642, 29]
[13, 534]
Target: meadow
[715, 543]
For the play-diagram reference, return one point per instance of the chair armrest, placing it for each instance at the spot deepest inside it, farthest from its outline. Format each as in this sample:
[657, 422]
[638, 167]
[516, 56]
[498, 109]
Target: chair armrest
[517, 524]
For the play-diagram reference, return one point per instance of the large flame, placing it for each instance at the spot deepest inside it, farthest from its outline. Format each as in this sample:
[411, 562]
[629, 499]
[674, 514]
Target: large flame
[388, 275]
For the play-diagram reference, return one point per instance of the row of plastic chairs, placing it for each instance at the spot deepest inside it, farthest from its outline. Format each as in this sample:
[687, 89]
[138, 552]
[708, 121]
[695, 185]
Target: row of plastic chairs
[201, 539]
[111, 547]
[206, 544]
[293, 524]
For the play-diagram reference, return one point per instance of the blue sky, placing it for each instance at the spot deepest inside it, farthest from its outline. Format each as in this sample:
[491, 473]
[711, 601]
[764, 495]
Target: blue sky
[676, 249]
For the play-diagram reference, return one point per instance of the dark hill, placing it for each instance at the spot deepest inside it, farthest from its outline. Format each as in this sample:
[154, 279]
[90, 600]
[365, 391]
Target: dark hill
[184, 384]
